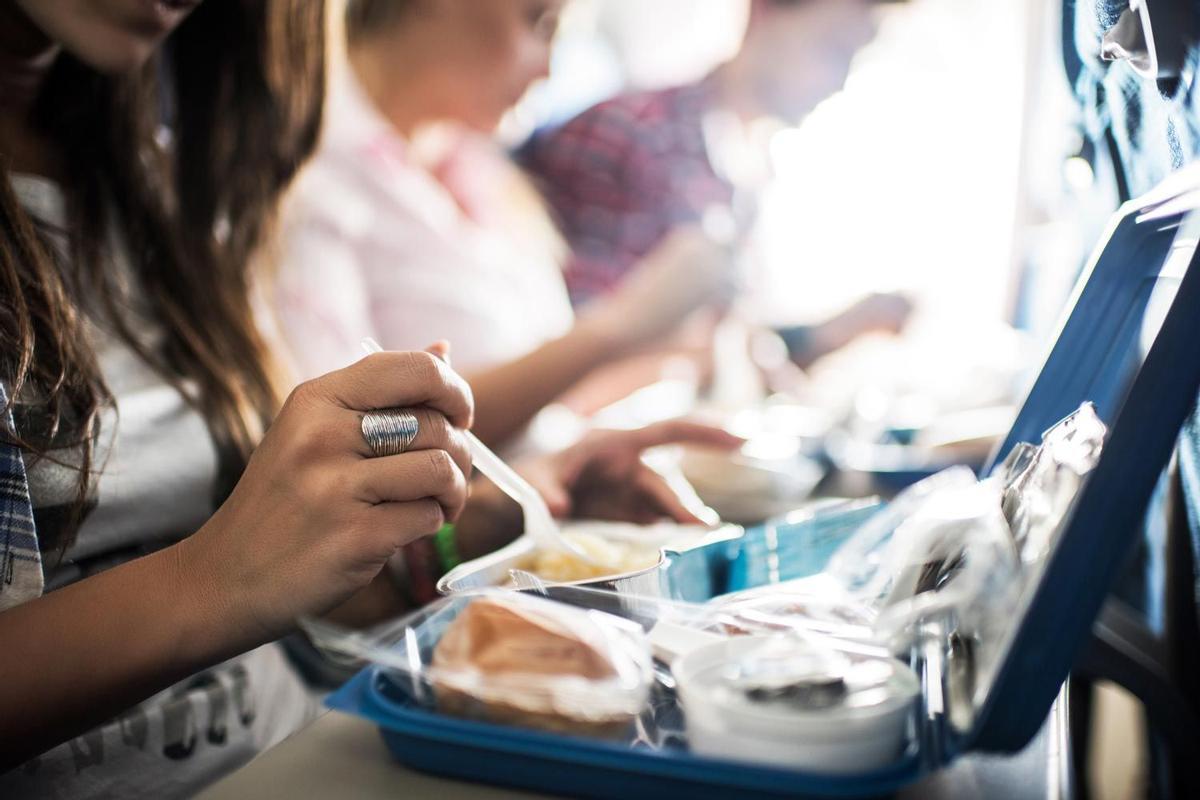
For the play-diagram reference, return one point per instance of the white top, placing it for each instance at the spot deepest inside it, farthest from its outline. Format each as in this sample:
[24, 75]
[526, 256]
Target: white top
[157, 464]
[375, 245]
[146, 491]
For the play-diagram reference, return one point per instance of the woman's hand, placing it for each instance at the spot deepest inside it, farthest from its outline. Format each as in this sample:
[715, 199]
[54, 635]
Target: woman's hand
[315, 516]
[603, 476]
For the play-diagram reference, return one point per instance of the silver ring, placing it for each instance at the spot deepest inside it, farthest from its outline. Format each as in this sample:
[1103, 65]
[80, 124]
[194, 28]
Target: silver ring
[390, 431]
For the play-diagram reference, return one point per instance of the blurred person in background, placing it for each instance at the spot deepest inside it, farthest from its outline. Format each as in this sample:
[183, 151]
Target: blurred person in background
[165, 516]
[412, 224]
[623, 174]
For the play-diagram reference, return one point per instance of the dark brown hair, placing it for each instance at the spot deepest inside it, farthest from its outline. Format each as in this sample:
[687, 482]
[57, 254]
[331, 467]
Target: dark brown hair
[187, 159]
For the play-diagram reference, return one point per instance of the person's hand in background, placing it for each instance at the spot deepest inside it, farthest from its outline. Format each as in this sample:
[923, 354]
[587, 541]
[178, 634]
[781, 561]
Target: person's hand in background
[880, 313]
[875, 313]
[603, 475]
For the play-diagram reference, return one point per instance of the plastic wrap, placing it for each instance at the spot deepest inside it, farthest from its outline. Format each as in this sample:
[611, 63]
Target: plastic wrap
[953, 557]
[817, 606]
[951, 549]
[764, 681]
[1040, 483]
[511, 658]
[862, 565]
[547, 657]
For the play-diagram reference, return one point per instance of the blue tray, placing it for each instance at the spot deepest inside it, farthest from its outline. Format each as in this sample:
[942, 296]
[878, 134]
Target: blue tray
[494, 754]
[1098, 356]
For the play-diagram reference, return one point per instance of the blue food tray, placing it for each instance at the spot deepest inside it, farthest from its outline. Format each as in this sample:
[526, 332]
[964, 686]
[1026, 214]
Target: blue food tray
[527, 759]
[1097, 357]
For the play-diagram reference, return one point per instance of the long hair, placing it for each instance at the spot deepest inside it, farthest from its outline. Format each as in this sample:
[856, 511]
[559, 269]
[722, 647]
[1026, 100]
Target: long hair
[187, 159]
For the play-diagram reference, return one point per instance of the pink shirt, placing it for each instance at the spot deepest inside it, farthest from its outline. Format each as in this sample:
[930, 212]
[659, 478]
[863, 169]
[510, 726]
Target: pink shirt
[374, 245]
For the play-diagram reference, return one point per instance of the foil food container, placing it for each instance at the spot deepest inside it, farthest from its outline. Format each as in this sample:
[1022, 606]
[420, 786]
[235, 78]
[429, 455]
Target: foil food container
[496, 569]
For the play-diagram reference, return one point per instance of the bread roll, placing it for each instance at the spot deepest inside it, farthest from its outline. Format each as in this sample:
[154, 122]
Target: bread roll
[505, 662]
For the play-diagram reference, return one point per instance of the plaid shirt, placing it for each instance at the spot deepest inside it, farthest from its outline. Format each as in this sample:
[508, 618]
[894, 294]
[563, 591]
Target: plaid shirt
[621, 175]
[20, 560]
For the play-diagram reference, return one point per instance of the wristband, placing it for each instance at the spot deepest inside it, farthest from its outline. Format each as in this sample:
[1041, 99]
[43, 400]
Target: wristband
[447, 547]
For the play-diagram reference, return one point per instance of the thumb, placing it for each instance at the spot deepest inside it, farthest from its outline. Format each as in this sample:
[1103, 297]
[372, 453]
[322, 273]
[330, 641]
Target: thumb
[557, 500]
[549, 485]
[441, 349]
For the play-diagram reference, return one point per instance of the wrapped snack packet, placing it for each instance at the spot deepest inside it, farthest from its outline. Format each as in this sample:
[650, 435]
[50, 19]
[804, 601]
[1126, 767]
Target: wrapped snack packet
[511, 658]
[521, 660]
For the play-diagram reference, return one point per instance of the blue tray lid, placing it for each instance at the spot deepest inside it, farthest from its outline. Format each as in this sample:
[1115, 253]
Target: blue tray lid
[1130, 344]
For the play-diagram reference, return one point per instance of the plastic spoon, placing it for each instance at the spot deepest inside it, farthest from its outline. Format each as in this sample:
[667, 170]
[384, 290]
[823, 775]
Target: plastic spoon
[539, 522]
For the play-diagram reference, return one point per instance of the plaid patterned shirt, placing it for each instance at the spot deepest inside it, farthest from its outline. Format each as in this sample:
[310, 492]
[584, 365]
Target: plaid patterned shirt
[620, 175]
[20, 560]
